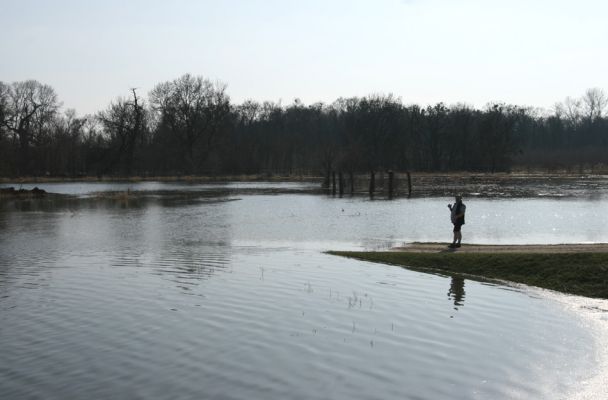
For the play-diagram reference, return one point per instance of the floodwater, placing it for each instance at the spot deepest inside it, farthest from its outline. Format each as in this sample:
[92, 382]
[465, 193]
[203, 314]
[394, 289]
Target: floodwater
[222, 291]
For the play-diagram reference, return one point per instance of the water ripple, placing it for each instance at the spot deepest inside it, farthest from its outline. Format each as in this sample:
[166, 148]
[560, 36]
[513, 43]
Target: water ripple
[225, 301]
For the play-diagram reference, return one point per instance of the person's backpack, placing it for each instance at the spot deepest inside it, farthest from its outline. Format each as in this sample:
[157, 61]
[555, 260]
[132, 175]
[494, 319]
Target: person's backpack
[458, 208]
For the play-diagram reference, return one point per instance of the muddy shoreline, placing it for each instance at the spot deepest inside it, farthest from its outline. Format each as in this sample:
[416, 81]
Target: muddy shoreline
[493, 248]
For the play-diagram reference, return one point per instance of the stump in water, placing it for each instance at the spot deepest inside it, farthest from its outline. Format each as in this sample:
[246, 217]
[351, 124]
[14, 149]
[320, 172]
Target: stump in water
[390, 184]
[38, 192]
[372, 183]
[409, 184]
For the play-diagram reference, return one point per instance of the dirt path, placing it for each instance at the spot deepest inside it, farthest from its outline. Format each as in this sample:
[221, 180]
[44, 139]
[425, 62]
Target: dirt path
[529, 248]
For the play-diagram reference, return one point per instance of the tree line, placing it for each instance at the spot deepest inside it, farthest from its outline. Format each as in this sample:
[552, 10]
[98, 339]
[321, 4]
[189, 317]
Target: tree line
[189, 126]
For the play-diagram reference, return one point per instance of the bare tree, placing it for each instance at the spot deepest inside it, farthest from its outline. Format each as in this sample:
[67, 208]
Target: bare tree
[570, 110]
[27, 107]
[499, 141]
[248, 112]
[194, 110]
[594, 103]
[4, 90]
[59, 151]
[124, 122]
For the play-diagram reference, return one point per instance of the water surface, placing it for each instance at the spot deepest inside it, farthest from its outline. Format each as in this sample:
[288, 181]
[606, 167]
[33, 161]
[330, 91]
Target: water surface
[230, 296]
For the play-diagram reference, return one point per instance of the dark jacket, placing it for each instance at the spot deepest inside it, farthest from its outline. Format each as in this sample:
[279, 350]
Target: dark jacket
[458, 208]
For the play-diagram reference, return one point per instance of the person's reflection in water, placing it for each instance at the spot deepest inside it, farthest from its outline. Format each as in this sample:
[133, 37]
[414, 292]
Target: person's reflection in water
[456, 291]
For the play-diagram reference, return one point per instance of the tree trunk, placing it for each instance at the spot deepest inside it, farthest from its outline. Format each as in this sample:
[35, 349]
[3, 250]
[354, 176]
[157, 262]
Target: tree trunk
[372, 183]
[333, 183]
[24, 154]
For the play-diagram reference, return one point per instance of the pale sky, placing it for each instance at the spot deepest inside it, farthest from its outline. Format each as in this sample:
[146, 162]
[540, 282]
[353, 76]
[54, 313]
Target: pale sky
[531, 53]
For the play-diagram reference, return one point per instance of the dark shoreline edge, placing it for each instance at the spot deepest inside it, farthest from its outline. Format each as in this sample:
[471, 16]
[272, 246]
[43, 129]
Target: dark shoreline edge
[582, 274]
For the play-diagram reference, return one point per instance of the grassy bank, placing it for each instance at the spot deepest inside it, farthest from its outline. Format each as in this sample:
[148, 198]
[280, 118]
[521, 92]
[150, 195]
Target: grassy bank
[584, 274]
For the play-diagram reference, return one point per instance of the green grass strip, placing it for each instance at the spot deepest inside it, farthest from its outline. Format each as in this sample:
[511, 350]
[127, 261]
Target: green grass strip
[584, 274]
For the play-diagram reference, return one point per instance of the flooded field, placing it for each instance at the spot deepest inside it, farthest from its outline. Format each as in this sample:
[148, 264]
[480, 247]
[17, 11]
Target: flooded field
[222, 291]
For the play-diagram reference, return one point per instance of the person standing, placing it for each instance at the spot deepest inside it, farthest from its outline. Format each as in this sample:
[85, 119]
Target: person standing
[457, 211]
